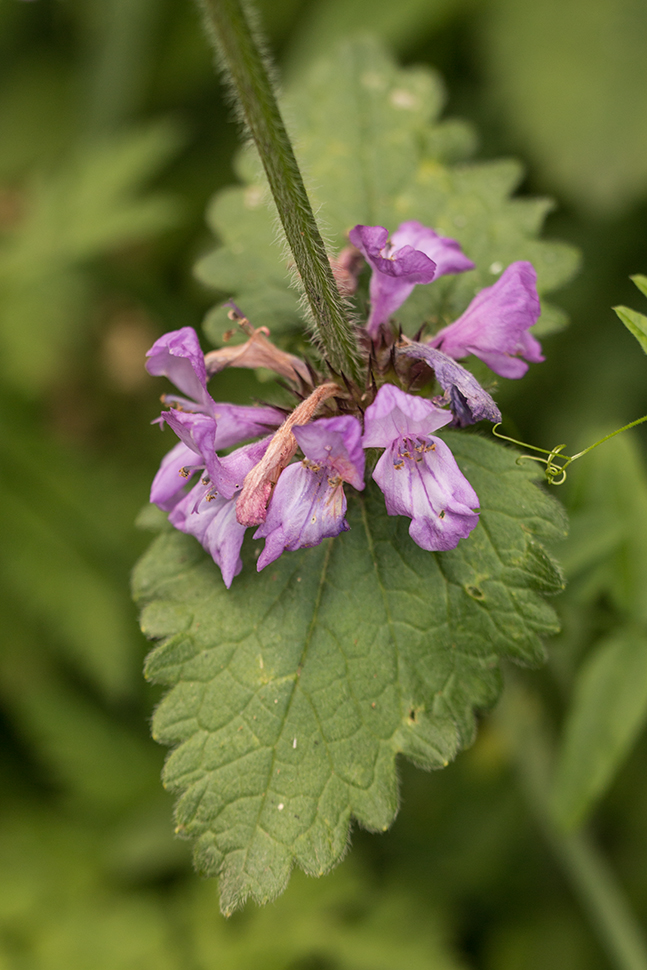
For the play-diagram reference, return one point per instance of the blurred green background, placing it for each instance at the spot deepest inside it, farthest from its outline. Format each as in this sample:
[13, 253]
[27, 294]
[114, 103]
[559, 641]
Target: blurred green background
[114, 133]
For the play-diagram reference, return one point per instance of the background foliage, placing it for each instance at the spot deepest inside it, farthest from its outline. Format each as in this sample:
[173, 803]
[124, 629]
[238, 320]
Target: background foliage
[113, 136]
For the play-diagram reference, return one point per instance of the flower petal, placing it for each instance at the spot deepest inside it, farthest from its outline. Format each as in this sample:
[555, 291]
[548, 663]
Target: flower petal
[337, 444]
[425, 484]
[306, 507]
[395, 414]
[495, 325]
[395, 273]
[212, 520]
[445, 252]
[467, 399]
[178, 356]
[168, 485]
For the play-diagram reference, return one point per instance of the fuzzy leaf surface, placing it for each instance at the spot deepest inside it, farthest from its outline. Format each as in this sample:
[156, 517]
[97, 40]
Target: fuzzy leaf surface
[373, 150]
[294, 691]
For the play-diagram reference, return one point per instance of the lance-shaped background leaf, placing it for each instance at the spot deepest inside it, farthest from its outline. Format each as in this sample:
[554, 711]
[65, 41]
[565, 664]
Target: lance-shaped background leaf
[294, 691]
[373, 150]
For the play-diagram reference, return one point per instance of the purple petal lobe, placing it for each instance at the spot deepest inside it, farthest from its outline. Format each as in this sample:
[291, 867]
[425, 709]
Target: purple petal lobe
[495, 325]
[232, 469]
[168, 485]
[395, 414]
[196, 431]
[446, 253]
[238, 422]
[337, 444]
[212, 520]
[395, 272]
[415, 254]
[420, 479]
[468, 401]
[308, 505]
[178, 356]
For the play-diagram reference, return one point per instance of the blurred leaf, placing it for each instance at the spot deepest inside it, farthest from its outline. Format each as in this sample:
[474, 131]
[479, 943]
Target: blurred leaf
[44, 572]
[611, 495]
[373, 151]
[58, 913]
[92, 203]
[89, 755]
[347, 922]
[60, 910]
[636, 323]
[327, 22]
[61, 563]
[36, 116]
[608, 710]
[289, 704]
[571, 77]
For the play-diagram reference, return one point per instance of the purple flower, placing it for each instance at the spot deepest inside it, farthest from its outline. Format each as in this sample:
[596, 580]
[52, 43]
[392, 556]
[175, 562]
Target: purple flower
[178, 356]
[495, 325]
[308, 503]
[178, 465]
[467, 399]
[208, 511]
[415, 254]
[417, 472]
[202, 424]
[212, 520]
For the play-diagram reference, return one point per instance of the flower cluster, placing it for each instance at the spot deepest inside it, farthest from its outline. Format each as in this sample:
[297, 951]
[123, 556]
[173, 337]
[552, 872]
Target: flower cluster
[296, 500]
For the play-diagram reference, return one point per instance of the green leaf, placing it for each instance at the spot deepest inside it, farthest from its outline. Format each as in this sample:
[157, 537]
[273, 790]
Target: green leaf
[636, 324]
[369, 140]
[608, 711]
[294, 691]
[641, 282]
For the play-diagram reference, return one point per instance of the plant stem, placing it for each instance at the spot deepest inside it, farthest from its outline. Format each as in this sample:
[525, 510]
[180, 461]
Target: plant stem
[229, 28]
[592, 880]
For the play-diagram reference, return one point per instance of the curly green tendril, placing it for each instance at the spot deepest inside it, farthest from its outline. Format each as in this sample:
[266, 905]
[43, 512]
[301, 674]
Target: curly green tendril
[556, 463]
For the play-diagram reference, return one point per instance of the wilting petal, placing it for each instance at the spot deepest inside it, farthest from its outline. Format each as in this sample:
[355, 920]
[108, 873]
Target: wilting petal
[212, 520]
[395, 414]
[395, 272]
[178, 356]
[251, 507]
[420, 479]
[258, 351]
[467, 399]
[307, 506]
[446, 253]
[168, 485]
[495, 325]
[335, 443]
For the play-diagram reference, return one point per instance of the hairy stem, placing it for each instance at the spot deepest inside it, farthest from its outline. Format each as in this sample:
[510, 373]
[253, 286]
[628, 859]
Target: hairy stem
[592, 880]
[229, 28]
